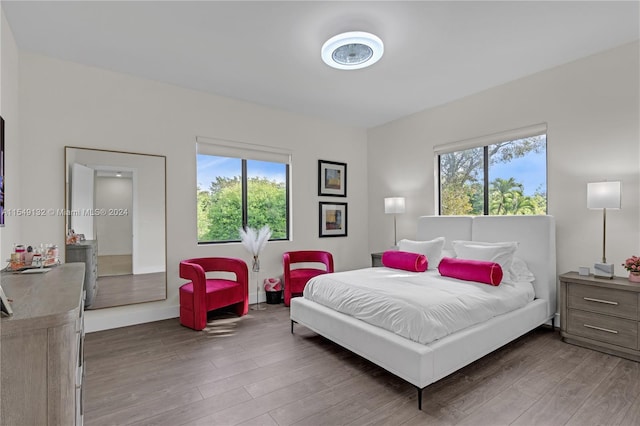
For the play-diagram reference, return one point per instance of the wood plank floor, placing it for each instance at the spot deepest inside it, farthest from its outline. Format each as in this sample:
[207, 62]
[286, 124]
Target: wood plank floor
[121, 290]
[115, 264]
[252, 371]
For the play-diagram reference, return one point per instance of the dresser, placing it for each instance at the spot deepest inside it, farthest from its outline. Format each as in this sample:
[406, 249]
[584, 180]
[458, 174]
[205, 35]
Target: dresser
[86, 252]
[601, 314]
[41, 348]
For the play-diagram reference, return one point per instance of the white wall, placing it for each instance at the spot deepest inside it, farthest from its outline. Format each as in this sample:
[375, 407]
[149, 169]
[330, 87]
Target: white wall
[11, 233]
[115, 232]
[591, 107]
[62, 103]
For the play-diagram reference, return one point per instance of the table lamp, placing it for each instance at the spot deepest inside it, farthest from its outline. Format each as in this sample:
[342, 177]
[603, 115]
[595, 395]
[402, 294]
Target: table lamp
[603, 195]
[394, 205]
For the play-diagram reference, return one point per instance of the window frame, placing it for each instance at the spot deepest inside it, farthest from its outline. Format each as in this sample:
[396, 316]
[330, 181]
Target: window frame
[247, 152]
[484, 142]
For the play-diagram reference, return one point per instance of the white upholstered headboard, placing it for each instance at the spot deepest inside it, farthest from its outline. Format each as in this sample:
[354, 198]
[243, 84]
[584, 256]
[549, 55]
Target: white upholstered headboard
[536, 236]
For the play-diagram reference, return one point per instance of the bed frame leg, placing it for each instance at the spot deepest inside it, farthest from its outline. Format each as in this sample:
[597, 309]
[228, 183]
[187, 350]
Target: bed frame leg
[553, 323]
[292, 322]
[419, 397]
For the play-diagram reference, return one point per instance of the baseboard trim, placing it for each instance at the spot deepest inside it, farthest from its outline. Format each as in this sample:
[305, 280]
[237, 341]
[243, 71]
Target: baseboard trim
[124, 316]
[108, 318]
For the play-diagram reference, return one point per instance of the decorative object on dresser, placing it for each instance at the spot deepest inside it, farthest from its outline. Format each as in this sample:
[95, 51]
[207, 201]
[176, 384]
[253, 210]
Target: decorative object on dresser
[601, 314]
[87, 253]
[603, 195]
[394, 206]
[41, 347]
[632, 265]
[584, 271]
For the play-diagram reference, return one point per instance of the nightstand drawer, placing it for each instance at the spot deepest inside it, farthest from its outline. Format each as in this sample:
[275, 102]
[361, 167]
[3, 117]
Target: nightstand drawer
[603, 300]
[603, 328]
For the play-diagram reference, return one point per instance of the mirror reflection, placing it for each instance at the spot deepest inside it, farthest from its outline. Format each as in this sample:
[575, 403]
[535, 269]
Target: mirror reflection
[115, 223]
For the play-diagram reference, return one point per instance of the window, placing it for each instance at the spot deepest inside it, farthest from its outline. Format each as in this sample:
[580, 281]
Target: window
[239, 187]
[502, 174]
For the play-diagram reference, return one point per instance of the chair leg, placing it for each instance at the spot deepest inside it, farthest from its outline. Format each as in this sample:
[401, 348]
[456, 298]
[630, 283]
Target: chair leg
[240, 309]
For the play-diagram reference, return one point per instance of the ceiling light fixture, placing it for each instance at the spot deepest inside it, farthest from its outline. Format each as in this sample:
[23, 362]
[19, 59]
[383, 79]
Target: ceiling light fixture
[352, 50]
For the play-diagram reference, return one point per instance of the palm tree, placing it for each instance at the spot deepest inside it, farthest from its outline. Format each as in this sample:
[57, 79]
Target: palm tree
[506, 195]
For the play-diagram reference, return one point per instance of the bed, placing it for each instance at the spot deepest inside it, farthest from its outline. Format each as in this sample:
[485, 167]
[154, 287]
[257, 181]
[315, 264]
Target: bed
[423, 364]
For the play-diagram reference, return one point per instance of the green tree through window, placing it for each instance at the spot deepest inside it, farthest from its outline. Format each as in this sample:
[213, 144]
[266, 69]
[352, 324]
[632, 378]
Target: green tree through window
[504, 178]
[223, 206]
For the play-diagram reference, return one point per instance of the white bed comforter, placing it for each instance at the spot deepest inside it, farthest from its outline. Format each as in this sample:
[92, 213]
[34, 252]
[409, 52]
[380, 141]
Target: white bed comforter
[420, 306]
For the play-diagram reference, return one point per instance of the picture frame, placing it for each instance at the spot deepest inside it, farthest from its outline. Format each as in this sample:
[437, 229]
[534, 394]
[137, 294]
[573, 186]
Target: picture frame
[332, 219]
[5, 306]
[332, 178]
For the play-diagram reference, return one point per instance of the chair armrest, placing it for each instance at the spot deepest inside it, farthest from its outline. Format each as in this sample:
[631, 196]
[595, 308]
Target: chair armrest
[195, 273]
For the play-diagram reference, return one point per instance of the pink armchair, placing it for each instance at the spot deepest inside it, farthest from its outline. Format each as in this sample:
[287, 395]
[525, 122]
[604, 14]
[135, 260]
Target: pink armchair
[204, 294]
[296, 279]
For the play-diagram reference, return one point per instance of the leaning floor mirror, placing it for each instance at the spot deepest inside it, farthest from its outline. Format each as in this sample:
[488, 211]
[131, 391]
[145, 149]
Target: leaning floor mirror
[116, 224]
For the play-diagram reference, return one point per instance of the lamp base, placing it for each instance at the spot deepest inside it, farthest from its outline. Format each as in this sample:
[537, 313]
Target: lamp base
[603, 270]
[257, 307]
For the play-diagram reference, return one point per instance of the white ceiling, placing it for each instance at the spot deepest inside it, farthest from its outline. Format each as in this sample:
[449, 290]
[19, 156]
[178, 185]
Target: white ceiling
[269, 52]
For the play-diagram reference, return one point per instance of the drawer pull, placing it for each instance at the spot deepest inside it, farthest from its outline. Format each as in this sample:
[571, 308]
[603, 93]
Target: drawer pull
[600, 328]
[608, 302]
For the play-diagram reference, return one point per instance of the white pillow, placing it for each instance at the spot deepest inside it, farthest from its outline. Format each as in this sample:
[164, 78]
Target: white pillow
[501, 253]
[431, 249]
[448, 253]
[520, 271]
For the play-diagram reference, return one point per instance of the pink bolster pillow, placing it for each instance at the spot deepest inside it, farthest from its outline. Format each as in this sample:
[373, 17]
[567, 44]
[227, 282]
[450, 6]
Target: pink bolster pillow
[414, 262]
[471, 270]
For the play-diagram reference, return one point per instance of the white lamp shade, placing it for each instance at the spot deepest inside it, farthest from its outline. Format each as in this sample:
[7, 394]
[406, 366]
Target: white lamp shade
[603, 195]
[393, 205]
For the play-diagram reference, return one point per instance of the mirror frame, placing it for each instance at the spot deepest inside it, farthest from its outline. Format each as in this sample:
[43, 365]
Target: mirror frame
[68, 208]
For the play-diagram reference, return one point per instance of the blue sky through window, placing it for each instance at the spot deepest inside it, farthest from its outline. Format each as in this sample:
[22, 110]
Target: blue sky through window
[529, 170]
[211, 166]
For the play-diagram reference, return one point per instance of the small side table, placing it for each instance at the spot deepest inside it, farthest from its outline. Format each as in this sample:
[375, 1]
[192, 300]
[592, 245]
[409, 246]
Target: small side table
[376, 259]
[601, 314]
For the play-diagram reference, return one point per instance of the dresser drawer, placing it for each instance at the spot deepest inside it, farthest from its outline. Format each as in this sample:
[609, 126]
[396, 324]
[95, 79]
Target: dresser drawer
[603, 328]
[603, 300]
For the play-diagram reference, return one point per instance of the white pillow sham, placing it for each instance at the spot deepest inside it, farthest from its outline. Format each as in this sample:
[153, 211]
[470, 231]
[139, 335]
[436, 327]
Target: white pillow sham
[501, 253]
[432, 249]
[520, 271]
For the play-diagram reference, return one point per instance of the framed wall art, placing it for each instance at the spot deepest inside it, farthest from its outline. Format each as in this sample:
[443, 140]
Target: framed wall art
[333, 219]
[332, 178]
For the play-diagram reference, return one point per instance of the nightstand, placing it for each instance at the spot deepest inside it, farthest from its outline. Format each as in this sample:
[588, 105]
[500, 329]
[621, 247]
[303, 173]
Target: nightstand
[376, 259]
[601, 314]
